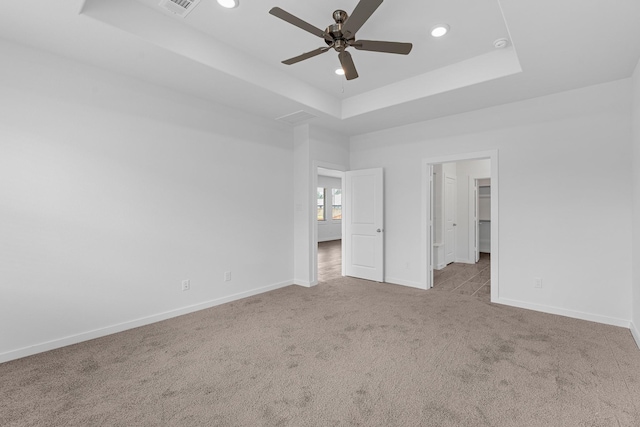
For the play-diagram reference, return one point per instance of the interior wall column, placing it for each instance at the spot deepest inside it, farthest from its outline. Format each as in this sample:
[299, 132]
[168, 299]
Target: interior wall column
[303, 232]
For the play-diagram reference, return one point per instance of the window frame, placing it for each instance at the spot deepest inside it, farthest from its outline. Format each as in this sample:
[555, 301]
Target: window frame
[333, 204]
[324, 204]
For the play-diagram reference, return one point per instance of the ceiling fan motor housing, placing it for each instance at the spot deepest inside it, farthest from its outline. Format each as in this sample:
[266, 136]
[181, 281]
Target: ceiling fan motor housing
[336, 39]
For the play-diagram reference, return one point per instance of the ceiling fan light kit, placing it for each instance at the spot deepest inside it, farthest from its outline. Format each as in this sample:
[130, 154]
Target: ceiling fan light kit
[342, 35]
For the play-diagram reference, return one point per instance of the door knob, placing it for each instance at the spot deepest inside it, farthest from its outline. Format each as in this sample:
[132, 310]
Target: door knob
[379, 231]
[455, 225]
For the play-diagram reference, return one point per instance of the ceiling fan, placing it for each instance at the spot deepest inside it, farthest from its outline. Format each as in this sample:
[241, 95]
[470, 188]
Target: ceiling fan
[342, 35]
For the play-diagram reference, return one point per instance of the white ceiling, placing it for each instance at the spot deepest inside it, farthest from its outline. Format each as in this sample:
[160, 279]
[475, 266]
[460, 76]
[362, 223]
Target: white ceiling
[250, 28]
[233, 56]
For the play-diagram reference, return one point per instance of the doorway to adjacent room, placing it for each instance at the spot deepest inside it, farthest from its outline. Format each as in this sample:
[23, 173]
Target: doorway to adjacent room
[460, 213]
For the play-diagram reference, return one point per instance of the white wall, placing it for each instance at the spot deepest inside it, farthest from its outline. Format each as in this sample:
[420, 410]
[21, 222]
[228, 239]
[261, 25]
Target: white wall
[304, 200]
[329, 229]
[636, 204]
[329, 149]
[112, 191]
[564, 172]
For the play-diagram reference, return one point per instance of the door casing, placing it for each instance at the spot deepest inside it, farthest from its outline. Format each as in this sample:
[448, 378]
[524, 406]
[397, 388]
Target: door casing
[426, 267]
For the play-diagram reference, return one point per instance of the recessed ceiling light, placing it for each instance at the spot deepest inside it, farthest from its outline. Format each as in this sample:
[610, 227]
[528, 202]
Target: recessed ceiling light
[229, 4]
[439, 30]
[340, 72]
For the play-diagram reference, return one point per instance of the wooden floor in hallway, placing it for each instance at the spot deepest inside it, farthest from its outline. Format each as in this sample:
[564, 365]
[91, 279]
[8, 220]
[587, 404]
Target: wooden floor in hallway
[329, 260]
[466, 279]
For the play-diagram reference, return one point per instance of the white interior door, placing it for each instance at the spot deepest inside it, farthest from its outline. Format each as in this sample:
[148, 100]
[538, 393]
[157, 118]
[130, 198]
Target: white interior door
[364, 232]
[449, 219]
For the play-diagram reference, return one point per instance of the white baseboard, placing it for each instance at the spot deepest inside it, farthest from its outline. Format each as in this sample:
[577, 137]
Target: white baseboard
[635, 333]
[464, 261]
[97, 333]
[402, 282]
[305, 283]
[614, 321]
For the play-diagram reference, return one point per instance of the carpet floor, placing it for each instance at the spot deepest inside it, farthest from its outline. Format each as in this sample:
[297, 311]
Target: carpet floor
[347, 352]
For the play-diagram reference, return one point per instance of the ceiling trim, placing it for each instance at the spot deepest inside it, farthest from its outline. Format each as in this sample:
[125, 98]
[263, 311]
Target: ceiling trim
[482, 68]
[164, 31]
[170, 34]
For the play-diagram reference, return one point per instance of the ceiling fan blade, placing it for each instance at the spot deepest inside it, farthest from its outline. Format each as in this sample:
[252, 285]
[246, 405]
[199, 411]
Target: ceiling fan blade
[387, 47]
[347, 65]
[307, 55]
[359, 16]
[286, 16]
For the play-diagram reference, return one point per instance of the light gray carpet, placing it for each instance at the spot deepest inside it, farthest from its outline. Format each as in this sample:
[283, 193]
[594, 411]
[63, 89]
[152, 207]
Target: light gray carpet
[347, 352]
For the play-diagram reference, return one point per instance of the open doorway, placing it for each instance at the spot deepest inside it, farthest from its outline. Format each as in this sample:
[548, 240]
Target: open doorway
[482, 217]
[460, 224]
[329, 223]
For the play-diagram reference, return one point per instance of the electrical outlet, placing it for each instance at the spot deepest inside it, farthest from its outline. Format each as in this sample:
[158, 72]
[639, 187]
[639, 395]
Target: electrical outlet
[186, 285]
[227, 276]
[537, 282]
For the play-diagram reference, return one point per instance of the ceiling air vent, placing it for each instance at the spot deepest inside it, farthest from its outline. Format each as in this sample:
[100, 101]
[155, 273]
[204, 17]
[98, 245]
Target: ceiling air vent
[297, 118]
[179, 7]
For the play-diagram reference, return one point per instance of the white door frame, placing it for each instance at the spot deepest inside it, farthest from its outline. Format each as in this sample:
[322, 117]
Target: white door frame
[314, 241]
[426, 259]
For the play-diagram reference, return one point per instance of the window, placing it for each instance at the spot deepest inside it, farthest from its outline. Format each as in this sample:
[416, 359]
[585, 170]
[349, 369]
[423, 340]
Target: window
[321, 193]
[336, 203]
